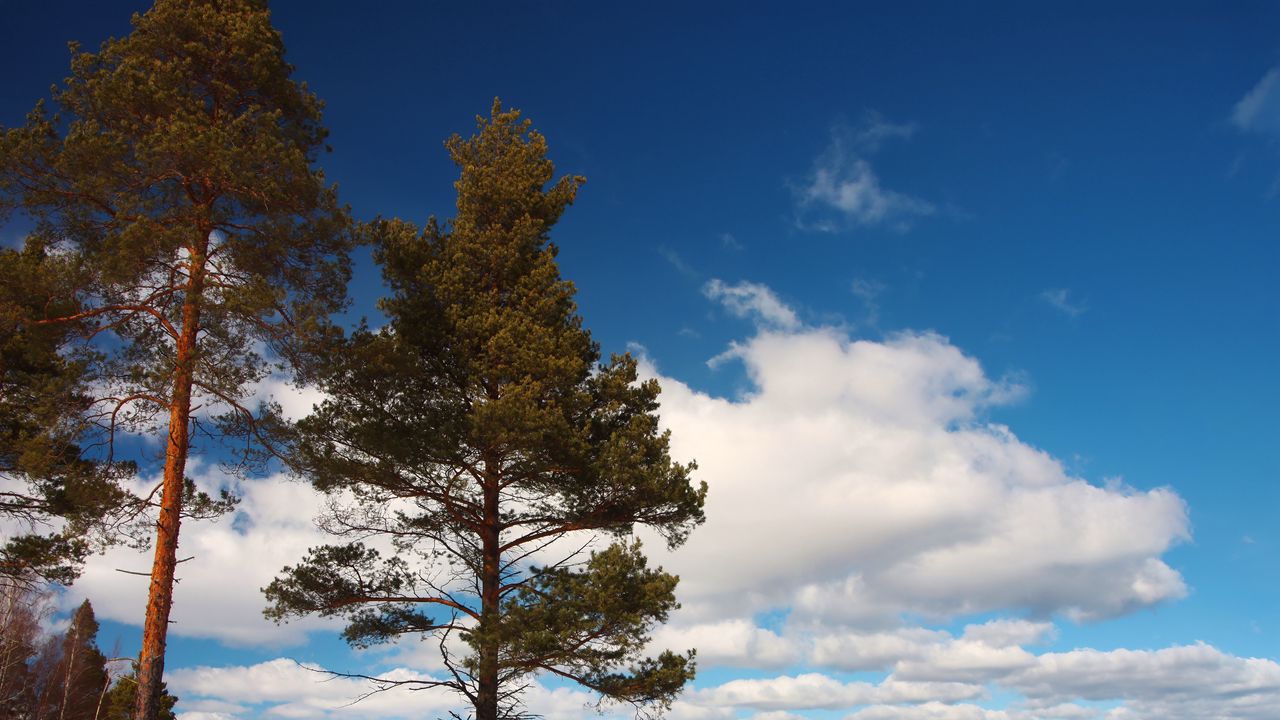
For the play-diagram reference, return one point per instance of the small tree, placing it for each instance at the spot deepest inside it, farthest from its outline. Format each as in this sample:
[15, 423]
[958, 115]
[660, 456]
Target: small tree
[475, 431]
[177, 188]
[73, 675]
[119, 701]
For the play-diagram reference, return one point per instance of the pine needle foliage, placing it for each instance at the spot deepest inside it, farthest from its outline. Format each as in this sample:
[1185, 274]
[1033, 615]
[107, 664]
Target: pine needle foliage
[479, 438]
[198, 246]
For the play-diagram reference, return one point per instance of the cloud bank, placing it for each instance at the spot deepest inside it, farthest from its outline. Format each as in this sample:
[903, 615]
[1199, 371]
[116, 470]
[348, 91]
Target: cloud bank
[860, 498]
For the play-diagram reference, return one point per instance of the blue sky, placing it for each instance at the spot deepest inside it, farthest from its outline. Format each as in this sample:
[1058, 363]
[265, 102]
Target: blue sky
[1030, 249]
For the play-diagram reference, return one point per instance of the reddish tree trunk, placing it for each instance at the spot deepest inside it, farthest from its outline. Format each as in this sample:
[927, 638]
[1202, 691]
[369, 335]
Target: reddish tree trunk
[160, 596]
[490, 577]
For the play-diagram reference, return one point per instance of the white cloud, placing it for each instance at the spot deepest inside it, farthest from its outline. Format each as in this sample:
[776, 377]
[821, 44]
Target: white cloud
[982, 653]
[217, 708]
[674, 259]
[858, 481]
[873, 651]
[1259, 110]
[218, 594]
[291, 690]
[929, 711]
[875, 130]
[754, 301]
[1176, 683]
[1001, 632]
[296, 402]
[284, 688]
[965, 661]
[868, 291]
[728, 643]
[1060, 299]
[857, 484]
[844, 190]
[815, 691]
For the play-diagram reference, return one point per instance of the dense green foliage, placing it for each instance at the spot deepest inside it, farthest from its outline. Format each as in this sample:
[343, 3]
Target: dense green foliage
[180, 169]
[199, 247]
[120, 700]
[68, 502]
[478, 435]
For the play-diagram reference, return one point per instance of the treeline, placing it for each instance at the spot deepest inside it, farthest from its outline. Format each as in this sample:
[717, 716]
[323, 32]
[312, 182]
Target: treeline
[60, 676]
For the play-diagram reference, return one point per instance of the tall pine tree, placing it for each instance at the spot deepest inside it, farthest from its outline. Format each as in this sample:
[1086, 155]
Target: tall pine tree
[177, 185]
[478, 434]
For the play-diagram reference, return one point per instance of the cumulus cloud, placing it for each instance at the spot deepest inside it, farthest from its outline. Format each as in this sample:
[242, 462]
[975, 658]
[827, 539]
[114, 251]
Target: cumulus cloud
[815, 691]
[284, 688]
[729, 643]
[929, 711]
[1259, 110]
[982, 653]
[1192, 681]
[1177, 683]
[843, 190]
[296, 402]
[857, 488]
[854, 651]
[753, 301]
[218, 591]
[858, 481]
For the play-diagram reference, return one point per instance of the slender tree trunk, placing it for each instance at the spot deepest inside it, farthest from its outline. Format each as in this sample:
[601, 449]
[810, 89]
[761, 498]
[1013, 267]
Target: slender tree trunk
[71, 663]
[160, 596]
[8, 642]
[490, 577]
[106, 686]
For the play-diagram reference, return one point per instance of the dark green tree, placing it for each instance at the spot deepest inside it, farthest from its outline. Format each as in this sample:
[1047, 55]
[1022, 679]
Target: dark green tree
[72, 678]
[119, 701]
[205, 249]
[478, 436]
[68, 502]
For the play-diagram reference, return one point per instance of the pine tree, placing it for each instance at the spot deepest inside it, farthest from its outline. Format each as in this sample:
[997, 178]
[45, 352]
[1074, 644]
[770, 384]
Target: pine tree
[82, 674]
[177, 184]
[69, 503]
[120, 699]
[477, 431]
[73, 675]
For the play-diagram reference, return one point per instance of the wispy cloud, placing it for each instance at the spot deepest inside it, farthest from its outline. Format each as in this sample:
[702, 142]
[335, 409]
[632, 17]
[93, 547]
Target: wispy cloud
[868, 291]
[844, 190]
[754, 301]
[1259, 110]
[676, 261]
[1060, 299]
[729, 242]
[875, 130]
